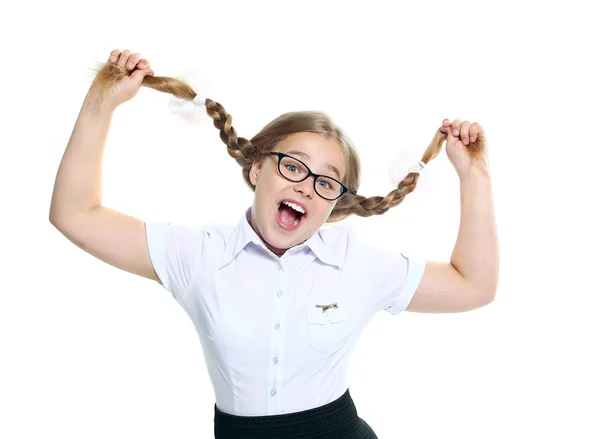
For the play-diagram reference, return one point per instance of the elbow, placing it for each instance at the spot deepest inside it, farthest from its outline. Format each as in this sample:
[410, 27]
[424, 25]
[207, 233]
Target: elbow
[487, 298]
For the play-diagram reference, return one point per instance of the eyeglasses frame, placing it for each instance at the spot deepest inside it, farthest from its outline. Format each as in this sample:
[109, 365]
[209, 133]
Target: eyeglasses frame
[281, 155]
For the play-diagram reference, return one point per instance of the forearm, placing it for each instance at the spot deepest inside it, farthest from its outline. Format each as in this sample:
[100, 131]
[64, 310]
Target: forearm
[78, 184]
[476, 253]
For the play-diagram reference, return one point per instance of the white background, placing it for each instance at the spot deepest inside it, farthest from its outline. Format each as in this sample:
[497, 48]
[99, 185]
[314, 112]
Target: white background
[90, 351]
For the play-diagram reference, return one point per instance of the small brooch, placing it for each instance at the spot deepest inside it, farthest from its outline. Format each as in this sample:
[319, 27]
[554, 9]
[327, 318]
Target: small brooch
[326, 307]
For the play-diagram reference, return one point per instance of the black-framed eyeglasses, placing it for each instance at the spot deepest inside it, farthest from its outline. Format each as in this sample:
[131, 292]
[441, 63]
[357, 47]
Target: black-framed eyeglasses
[294, 170]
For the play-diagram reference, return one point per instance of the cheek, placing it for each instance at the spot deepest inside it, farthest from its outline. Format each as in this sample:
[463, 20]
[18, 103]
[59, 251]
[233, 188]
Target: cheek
[271, 186]
[266, 192]
[321, 212]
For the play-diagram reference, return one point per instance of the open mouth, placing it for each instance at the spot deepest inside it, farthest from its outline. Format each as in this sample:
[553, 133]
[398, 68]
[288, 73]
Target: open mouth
[289, 216]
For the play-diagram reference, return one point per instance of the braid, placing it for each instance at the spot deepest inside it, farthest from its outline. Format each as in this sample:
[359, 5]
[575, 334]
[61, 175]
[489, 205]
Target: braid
[241, 149]
[245, 152]
[377, 205]
[354, 204]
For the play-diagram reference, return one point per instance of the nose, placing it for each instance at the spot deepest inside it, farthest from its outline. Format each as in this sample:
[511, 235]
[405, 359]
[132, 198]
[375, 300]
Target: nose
[306, 187]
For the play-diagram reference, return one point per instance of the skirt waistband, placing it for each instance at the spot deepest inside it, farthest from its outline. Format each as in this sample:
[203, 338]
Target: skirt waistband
[337, 419]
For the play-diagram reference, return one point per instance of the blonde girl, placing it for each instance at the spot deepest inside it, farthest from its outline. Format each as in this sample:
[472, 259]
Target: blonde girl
[279, 300]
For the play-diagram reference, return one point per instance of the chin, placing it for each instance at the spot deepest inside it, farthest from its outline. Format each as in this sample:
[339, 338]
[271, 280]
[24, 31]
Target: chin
[283, 236]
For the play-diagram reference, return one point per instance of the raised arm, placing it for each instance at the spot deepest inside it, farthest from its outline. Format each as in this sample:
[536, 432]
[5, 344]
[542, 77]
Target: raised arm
[76, 207]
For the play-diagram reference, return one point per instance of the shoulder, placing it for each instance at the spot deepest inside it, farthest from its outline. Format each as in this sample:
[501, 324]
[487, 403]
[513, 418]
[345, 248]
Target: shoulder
[362, 250]
[189, 235]
[336, 233]
[218, 231]
[350, 248]
[349, 237]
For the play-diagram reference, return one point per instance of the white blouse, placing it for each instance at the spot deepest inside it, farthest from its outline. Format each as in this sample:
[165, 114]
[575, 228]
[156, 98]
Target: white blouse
[271, 343]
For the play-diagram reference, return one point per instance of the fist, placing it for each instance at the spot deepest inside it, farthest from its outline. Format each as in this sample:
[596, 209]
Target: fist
[119, 79]
[466, 145]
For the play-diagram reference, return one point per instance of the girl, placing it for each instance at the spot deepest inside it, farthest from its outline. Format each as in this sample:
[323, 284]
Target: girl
[279, 301]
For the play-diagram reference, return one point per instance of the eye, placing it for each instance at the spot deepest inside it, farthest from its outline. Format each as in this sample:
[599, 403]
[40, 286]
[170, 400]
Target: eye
[291, 166]
[326, 182]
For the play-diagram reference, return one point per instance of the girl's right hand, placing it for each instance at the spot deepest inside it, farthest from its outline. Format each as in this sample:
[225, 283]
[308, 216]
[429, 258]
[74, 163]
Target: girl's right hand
[127, 87]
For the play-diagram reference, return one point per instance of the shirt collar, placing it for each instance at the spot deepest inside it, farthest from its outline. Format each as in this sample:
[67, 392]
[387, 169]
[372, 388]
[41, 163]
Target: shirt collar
[329, 244]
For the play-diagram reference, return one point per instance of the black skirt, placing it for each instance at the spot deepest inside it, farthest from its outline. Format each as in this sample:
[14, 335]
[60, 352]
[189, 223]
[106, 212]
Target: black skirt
[335, 420]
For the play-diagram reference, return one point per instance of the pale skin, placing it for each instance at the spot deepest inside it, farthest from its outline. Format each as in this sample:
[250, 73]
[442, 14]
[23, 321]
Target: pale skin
[129, 60]
[467, 282]
[470, 280]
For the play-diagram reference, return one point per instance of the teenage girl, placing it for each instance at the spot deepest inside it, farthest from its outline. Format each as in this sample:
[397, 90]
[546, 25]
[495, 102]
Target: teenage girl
[279, 301]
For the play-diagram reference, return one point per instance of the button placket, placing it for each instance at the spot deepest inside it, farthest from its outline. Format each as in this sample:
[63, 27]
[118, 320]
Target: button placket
[276, 348]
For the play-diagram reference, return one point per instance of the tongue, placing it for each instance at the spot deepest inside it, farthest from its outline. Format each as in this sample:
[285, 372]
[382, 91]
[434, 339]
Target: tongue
[288, 215]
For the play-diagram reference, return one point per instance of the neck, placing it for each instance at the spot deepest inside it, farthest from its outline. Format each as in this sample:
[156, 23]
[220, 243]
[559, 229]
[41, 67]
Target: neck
[276, 251]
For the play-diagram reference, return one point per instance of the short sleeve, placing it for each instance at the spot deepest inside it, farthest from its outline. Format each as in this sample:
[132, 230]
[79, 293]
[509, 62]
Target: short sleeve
[395, 278]
[401, 295]
[175, 251]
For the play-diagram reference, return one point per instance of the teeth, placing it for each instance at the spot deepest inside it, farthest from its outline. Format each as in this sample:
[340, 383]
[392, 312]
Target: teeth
[294, 206]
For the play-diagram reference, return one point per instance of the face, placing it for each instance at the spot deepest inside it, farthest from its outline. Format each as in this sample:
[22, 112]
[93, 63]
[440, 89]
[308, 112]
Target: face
[320, 155]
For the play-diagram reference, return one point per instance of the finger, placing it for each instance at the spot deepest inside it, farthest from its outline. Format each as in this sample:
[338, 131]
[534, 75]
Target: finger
[139, 75]
[123, 58]
[464, 132]
[445, 125]
[143, 63]
[133, 60]
[456, 126]
[474, 130]
[114, 55]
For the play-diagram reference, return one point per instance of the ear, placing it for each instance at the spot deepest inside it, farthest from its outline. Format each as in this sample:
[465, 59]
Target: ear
[255, 171]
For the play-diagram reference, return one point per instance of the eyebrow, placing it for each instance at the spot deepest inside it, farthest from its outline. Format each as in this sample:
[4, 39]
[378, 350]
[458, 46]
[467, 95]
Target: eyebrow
[306, 156]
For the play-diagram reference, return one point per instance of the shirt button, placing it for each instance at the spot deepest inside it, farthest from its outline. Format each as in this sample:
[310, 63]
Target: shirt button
[273, 392]
[279, 293]
[277, 326]
[275, 360]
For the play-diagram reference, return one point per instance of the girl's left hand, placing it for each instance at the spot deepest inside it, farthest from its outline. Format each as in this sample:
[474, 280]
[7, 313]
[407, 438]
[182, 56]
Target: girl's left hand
[466, 145]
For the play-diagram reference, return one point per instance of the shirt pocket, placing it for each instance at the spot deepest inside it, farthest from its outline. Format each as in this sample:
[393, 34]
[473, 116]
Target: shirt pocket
[327, 330]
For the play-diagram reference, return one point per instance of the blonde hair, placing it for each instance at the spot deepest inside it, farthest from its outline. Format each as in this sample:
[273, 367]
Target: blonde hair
[245, 151]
